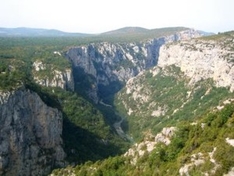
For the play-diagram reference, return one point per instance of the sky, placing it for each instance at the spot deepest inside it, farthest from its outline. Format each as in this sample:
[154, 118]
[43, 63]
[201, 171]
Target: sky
[97, 16]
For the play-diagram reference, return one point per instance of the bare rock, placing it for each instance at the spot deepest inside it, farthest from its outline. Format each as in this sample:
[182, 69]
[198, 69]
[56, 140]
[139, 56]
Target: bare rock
[107, 63]
[57, 78]
[199, 60]
[30, 135]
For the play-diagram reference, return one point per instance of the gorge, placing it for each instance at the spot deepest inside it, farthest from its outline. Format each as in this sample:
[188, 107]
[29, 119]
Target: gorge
[65, 105]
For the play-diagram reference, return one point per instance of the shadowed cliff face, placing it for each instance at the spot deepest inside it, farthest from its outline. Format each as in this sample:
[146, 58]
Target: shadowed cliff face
[102, 65]
[30, 133]
[30, 130]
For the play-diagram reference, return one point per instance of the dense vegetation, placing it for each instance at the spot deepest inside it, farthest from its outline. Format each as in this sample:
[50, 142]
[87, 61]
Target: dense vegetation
[136, 34]
[18, 53]
[88, 134]
[84, 125]
[170, 91]
[204, 141]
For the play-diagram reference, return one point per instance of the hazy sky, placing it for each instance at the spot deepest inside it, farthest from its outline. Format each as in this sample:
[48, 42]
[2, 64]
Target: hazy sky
[96, 16]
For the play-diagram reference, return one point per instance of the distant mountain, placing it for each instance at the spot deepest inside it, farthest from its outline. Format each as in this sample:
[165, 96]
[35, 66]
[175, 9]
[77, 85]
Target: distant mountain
[122, 34]
[126, 30]
[70, 100]
[140, 30]
[34, 32]
[135, 34]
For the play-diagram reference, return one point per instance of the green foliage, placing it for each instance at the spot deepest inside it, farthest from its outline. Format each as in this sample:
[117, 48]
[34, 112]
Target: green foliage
[87, 134]
[11, 75]
[220, 36]
[169, 90]
[136, 34]
[18, 54]
[186, 144]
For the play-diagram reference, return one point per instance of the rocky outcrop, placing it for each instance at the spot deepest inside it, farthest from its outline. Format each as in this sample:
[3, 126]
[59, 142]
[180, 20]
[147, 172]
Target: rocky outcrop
[150, 143]
[197, 160]
[201, 59]
[30, 135]
[54, 77]
[108, 63]
[188, 75]
[230, 173]
[165, 135]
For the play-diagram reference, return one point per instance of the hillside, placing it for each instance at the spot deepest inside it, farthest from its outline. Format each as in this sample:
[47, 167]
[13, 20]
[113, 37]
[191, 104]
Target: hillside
[137, 34]
[126, 34]
[190, 78]
[126, 30]
[84, 101]
[44, 123]
[34, 32]
[201, 148]
[179, 113]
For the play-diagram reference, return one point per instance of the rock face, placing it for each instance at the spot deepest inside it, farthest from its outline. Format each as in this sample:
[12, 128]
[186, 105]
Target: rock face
[188, 75]
[149, 143]
[165, 135]
[108, 63]
[201, 59]
[199, 159]
[55, 78]
[30, 135]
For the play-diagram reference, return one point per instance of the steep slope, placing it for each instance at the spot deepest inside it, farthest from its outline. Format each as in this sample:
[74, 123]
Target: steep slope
[30, 134]
[190, 78]
[203, 59]
[61, 78]
[201, 148]
[102, 68]
[36, 67]
[47, 74]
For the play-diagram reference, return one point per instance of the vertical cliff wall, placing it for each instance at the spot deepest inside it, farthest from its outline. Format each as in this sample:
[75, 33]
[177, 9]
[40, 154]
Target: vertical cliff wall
[190, 77]
[107, 64]
[202, 59]
[46, 75]
[30, 142]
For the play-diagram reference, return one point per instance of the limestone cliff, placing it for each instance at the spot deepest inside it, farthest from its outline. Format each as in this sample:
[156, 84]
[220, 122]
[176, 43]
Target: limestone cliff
[189, 78]
[30, 134]
[149, 143]
[202, 59]
[48, 76]
[108, 63]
